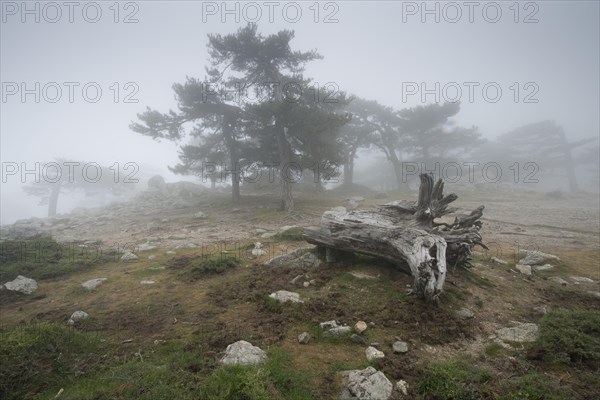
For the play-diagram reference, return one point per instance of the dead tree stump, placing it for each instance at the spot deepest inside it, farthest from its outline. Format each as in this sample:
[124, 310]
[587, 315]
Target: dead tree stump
[405, 232]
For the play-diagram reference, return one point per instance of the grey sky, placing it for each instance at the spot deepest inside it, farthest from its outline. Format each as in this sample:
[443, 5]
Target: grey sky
[369, 52]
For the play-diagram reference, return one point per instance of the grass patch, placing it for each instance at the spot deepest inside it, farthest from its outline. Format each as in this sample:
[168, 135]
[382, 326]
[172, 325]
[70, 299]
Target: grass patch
[290, 235]
[36, 356]
[570, 337]
[198, 267]
[43, 258]
[456, 380]
[493, 349]
[534, 386]
[275, 379]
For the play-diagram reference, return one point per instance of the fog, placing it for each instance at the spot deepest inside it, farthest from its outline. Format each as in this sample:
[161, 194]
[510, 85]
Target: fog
[542, 56]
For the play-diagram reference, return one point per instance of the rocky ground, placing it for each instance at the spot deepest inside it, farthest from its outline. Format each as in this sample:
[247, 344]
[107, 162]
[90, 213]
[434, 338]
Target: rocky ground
[350, 327]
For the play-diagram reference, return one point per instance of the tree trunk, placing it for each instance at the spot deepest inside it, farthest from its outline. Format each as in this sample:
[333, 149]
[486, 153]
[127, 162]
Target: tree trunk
[349, 171]
[228, 124]
[53, 201]
[407, 234]
[287, 199]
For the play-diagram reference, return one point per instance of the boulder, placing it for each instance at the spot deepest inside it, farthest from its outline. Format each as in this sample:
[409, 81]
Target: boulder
[338, 331]
[536, 257]
[524, 269]
[520, 333]
[360, 327]
[128, 256]
[366, 384]
[243, 353]
[464, 313]
[22, 284]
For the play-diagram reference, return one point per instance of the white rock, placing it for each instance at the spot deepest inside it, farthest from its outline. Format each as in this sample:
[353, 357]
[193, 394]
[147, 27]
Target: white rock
[536, 257]
[129, 257]
[579, 279]
[77, 316]
[151, 257]
[372, 353]
[338, 331]
[544, 267]
[22, 284]
[287, 227]
[170, 252]
[400, 347]
[402, 387]
[328, 324]
[147, 282]
[524, 269]
[283, 296]
[521, 332]
[243, 353]
[304, 338]
[360, 327]
[200, 215]
[559, 280]
[464, 313]
[366, 384]
[145, 247]
[93, 283]
[499, 261]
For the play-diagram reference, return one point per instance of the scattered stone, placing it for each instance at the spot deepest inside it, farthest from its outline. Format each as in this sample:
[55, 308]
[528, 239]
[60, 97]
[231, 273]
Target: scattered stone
[257, 250]
[593, 293]
[146, 247]
[296, 279]
[358, 339]
[307, 260]
[285, 258]
[77, 316]
[544, 267]
[157, 268]
[243, 353]
[376, 345]
[499, 261]
[559, 280]
[22, 284]
[524, 269]
[268, 235]
[328, 324]
[304, 338]
[536, 257]
[464, 313]
[366, 384]
[351, 204]
[188, 245]
[400, 347]
[338, 331]
[306, 284]
[260, 231]
[373, 354]
[200, 215]
[170, 252]
[363, 275]
[147, 282]
[402, 387]
[541, 310]
[283, 296]
[151, 257]
[93, 283]
[313, 282]
[129, 257]
[520, 333]
[360, 326]
[357, 199]
[580, 279]
[287, 228]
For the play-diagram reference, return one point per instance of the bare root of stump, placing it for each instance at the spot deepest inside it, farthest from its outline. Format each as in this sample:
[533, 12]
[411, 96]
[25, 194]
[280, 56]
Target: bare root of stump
[405, 231]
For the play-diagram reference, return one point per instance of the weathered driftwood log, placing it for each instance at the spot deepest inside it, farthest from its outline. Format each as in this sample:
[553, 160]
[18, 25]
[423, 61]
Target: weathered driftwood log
[405, 232]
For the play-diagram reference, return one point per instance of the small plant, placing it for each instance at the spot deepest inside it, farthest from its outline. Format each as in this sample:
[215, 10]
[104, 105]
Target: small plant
[570, 337]
[534, 386]
[493, 349]
[195, 268]
[455, 380]
[479, 302]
